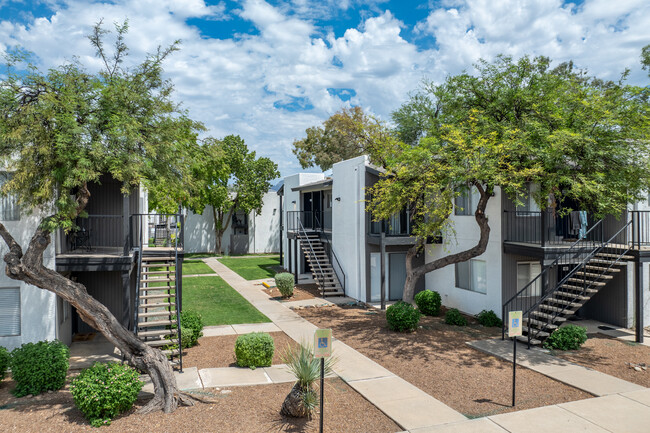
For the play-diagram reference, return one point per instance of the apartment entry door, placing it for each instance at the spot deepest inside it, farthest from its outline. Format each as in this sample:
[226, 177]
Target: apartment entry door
[395, 265]
[312, 205]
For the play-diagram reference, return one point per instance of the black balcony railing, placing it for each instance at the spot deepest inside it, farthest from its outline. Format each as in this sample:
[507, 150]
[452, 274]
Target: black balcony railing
[311, 220]
[398, 225]
[157, 230]
[547, 228]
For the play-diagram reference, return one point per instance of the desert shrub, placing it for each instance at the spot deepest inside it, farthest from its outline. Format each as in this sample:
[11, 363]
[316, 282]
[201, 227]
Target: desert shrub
[39, 367]
[402, 317]
[187, 337]
[4, 361]
[453, 317]
[254, 350]
[285, 282]
[488, 318]
[428, 302]
[103, 391]
[191, 319]
[569, 337]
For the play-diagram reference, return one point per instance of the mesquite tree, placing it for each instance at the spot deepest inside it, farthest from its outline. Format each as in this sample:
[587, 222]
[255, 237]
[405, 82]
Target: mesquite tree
[512, 123]
[63, 129]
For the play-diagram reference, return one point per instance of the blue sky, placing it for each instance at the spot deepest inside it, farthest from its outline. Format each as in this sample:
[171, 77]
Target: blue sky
[267, 70]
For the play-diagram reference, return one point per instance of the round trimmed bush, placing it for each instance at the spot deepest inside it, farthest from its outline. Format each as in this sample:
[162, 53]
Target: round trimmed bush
[569, 337]
[428, 302]
[453, 317]
[488, 318]
[254, 350]
[4, 361]
[39, 367]
[402, 317]
[284, 282]
[191, 319]
[103, 391]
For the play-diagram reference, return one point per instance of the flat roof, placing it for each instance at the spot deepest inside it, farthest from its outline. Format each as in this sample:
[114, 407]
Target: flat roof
[315, 185]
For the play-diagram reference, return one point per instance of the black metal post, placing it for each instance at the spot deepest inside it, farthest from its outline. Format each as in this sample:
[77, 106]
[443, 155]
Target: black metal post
[639, 301]
[514, 368]
[382, 268]
[322, 391]
[543, 228]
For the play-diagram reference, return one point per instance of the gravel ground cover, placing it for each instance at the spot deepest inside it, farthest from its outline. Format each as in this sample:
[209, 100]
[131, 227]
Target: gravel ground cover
[614, 357]
[300, 292]
[214, 352]
[436, 359]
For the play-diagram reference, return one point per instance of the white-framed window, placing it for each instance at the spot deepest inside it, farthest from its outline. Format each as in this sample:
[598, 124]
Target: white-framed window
[528, 204]
[467, 201]
[9, 209]
[526, 272]
[328, 200]
[472, 275]
[9, 311]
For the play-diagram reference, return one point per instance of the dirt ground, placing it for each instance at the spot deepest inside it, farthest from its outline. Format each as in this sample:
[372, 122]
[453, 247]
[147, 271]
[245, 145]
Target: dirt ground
[300, 292]
[214, 352]
[436, 359]
[235, 409]
[612, 356]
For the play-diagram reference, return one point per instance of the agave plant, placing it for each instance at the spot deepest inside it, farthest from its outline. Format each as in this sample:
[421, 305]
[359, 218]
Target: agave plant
[303, 399]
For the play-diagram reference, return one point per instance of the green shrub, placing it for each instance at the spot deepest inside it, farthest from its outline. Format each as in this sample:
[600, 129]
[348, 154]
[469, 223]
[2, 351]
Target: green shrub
[402, 317]
[453, 317]
[488, 318]
[428, 302]
[192, 320]
[569, 337]
[39, 367]
[254, 350]
[285, 282]
[187, 337]
[103, 391]
[4, 361]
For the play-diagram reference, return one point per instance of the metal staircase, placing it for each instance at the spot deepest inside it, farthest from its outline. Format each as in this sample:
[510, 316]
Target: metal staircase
[321, 266]
[581, 271]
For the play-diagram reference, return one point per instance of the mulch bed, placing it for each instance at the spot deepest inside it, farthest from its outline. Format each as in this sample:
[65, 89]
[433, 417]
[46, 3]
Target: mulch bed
[235, 409]
[614, 357]
[239, 409]
[436, 359]
[300, 292]
[214, 352]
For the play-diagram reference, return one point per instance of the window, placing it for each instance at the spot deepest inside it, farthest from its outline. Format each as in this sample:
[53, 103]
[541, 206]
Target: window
[528, 203]
[9, 209]
[467, 201]
[9, 311]
[471, 275]
[526, 272]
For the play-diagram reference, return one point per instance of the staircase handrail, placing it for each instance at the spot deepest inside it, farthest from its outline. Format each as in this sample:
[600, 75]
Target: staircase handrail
[313, 254]
[581, 265]
[545, 271]
[178, 280]
[136, 314]
[333, 254]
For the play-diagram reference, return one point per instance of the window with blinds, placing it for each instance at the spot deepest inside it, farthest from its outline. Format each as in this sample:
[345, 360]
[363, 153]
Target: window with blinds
[9, 311]
[526, 272]
[471, 275]
[9, 209]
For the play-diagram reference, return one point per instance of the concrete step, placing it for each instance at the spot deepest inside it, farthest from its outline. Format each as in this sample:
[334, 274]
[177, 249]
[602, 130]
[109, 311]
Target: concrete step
[607, 262]
[552, 317]
[571, 295]
[533, 341]
[158, 280]
[162, 342]
[563, 302]
[157, 333]
[539, 324]
[159, 296]
[158, 273]
[615, 256]
[170, 352]
[157, 305]
[155, 323]
[587, 281]
[157, 314]
[592, 275]
[600, 269]
[567, 310]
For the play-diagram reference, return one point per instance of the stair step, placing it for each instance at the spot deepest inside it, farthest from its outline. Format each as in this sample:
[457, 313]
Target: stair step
[332, 294]
[606, 262]
[163, 342]
[524, 339]
[170, 352]
[157, 333]
[537, 332]
[159, 296]
[158, 280]
[543, 325]
[169, 258]
[157, 273]
[578, 288]
[615, 256]
[598, 268]
[566, 310]
[590, 282]
[591, 275]
[156, 313]
[548, 316]
[156, 323]
[571, 295]
[564, 302]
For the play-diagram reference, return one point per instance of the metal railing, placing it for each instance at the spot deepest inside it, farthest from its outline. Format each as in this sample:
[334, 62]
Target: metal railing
[105, 232]
[399, 225]
[640, 228]
[309, 220]
[546, 227]
[303, 234]
[338, 269]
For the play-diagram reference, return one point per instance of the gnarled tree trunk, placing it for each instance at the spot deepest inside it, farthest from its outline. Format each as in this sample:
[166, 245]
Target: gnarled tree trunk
[414, 274]
[294, 405]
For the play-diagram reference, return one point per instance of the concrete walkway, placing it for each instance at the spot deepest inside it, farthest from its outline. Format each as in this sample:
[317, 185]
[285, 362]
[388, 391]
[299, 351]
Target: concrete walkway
[408, 406]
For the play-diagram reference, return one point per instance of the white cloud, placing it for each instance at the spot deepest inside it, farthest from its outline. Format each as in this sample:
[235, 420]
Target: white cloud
[236, 85]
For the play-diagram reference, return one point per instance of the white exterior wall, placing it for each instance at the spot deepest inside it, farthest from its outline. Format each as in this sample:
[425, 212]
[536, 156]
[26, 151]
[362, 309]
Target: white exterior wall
[348, 223]
[467, 234]
[291, 203]
[38, 310]
[264, 229]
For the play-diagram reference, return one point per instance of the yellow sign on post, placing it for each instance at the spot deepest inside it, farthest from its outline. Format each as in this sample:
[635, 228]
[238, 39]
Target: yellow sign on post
[323, 343]
[514, 323]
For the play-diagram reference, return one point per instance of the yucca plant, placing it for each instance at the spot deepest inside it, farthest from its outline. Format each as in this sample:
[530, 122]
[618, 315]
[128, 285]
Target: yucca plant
[303, 399]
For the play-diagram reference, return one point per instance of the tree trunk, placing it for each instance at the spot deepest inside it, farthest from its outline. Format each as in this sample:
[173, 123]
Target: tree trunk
[294, 405]
[29, 268]
[219, 227]
[414, 274]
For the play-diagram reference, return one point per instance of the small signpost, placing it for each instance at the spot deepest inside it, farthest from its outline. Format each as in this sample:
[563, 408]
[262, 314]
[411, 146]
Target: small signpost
[322, 350]
[514, 331]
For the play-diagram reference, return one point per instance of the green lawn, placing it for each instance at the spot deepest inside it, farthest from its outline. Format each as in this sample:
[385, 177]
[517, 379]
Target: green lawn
[199, 255]
[192, 267]
[218, 303]
[252, 268]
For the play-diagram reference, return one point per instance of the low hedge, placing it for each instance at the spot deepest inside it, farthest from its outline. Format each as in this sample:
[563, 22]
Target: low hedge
[39, 367]
[489, 318]
[193, 320]
[254, 350]
[569, 337]
[284, 281]
[454, 317]
[4, 361]
[402, 317]
[428, 302]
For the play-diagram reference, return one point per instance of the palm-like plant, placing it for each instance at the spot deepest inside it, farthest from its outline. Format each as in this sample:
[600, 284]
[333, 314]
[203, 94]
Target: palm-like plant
[303, 399]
